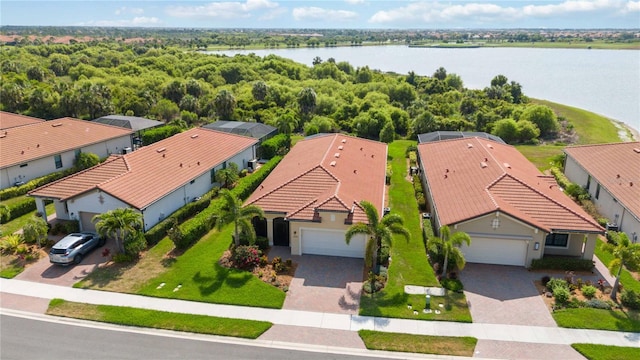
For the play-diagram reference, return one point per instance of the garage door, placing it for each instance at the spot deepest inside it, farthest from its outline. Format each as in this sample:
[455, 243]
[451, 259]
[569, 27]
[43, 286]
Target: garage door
[331, 242]
[496, 251]
[85, 221]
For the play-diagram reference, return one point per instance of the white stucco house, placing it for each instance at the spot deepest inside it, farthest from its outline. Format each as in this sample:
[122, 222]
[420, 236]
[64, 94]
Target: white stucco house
[38, 148]
[156, 180]
[512, 212]
[313, 196]
[611, 175]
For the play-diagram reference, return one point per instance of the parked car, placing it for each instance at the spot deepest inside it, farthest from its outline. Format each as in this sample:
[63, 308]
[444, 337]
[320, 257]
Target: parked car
[73, 247]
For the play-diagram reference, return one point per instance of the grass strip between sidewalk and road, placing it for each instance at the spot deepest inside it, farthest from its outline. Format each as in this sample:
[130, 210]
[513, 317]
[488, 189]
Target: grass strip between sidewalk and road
[123, 315]
[424, 344]
[606, 352]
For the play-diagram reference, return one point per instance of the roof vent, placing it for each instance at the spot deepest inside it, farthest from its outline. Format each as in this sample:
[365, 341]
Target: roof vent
[180, 164]
[355, 171]
[617, 176]
[3, 135]
[161, 150]
[507, 165]
[194, 136]
[637, 150]
[333, 163]
[344, 141]
[340, 147]
[337, 155]
[483, 164]
[490, 146]
[469, 145]
[56, 124]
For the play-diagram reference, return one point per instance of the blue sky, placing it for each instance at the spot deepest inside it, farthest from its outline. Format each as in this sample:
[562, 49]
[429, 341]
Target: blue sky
[352, 14]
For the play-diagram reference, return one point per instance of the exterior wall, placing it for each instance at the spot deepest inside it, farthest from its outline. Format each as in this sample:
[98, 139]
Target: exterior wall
[607, 205]
[509, 228]
[330, 220]
[243, 158]
[43, 166]
[574, 247]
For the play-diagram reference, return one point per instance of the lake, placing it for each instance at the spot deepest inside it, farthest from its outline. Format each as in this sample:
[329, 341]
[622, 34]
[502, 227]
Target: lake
[606, 82]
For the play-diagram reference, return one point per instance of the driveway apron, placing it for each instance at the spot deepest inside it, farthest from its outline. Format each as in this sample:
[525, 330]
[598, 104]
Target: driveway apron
[325, 284]
[499, 294]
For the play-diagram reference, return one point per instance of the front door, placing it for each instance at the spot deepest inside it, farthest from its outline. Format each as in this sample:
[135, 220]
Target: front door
[280, 232]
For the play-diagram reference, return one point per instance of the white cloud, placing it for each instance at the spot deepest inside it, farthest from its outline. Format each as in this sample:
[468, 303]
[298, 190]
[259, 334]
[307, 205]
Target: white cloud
[354, 2]
[221, 10]
[315, 13]
[140, 21]
[440, 12]
[126, 10]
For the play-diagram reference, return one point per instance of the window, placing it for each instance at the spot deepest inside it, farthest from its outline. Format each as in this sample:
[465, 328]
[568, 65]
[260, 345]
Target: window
[77, 152]
[588, 183]
[557, 240]
[213, 176]
[597, 191]
[58, 160]
[24, 165]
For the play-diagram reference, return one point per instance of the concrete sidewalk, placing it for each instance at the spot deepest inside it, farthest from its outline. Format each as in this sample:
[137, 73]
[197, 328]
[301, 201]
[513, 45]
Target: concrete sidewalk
[512, 333]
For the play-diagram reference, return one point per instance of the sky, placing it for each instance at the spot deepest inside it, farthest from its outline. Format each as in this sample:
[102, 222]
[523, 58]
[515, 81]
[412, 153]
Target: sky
[327, 14]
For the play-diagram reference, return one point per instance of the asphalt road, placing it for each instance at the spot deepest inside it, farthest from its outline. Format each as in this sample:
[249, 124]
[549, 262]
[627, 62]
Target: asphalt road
[27, 338]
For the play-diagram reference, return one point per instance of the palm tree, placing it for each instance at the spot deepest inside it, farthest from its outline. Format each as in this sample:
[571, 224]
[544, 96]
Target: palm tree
[225, 104]
[378, 230]
[449, 246]
[233, 212]
[625, 254]
[35, 230]
[118, 223]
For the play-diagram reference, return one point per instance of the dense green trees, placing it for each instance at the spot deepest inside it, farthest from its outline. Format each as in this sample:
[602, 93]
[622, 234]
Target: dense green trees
[189, 88]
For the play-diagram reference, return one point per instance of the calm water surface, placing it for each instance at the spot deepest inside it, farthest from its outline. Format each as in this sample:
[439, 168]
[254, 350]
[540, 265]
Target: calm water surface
[606, 82]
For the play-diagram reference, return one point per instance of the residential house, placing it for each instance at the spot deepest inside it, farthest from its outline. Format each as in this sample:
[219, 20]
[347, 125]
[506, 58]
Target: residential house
[43, 147]
[137, 124]
[512, 212]
[156, 180]
[312, 197]
[10, 120]
[611, 175]
[255, 130]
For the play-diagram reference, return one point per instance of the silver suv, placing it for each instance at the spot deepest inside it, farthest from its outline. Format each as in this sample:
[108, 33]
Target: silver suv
[73, 247]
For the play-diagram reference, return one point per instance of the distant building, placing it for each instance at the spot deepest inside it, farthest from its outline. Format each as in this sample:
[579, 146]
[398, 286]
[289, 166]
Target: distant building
[255, 130]
[447, 135]
[137, 124]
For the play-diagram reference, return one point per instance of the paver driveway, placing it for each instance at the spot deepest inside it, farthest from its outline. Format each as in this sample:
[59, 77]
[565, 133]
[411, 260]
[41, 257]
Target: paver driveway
[324, 283]
[500, 294]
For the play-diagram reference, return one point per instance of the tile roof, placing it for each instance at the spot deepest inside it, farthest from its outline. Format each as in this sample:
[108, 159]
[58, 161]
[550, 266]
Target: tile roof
[471, 177]
[616, 167]
[134, 123]
[253, 129]
[157, 169]
[10, 120]
[47, 138]
[328, 172]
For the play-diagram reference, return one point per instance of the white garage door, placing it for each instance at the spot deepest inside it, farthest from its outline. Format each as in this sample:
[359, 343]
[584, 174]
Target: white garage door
[331, 242]
[495, 251]
[85, 221]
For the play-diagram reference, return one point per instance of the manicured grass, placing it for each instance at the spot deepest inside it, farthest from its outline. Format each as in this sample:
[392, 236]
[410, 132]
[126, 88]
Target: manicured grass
[441, 345]
[588, 318]
[121, 315]
[605, 352]
[201, 278]
[10, 268]
[627, 280]
[541, 156]
[19, 222]
[409, 264]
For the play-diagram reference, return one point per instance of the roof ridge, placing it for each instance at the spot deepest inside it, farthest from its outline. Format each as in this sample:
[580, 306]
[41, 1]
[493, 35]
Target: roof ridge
[289, 182]
[591, 221]
[324, 157]
[302, 207]
[126, 164]
[332, 197]
[602, 144]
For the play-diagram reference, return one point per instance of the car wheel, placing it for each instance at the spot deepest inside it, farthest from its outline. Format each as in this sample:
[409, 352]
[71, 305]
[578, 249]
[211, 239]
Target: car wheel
[77, 259]
[101, 242]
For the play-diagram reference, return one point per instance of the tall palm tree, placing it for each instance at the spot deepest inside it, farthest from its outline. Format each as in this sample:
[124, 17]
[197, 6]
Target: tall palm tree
[233, 212]
[449, 246]
[118, 223]
[378, 230]
[625, 254]
[225, 104]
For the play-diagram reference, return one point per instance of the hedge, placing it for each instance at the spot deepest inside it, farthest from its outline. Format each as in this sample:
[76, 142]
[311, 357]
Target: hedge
[15, 191]
[562, 263]
[160, 133]
[22, 207]
[270, 147]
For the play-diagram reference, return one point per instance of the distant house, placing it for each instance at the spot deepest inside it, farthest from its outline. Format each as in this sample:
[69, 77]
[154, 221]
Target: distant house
[43, 147]
[611, 175]
[512, 212]
[156, 180]
[255, 130]
[448, 135]
[10, 120]
[312, 197]
[137, 124]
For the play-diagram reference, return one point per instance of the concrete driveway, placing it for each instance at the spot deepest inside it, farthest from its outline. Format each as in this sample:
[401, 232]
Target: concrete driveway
[45, 272]
[500, 294]
[328, 284]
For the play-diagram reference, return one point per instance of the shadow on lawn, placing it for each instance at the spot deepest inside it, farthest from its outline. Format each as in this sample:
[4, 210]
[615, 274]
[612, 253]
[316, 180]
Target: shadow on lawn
[371, 305]
[232, 278]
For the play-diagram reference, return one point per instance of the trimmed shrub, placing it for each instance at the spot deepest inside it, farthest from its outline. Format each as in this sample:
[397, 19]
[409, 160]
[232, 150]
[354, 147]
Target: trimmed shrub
[589, 291]
[597, 304]
[160, 133]
[134, 244]
[556, 283]
[452, 284]
[21, 207]
[562, 263]
[561, 294]
[274, 146]
[246, 257]
[630, 299]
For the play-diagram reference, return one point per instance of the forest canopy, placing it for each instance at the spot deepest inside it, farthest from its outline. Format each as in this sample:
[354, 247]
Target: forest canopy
[188, 88]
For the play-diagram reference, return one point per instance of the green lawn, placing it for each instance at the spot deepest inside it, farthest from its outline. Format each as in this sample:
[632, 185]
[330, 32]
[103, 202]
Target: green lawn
[409, 265]
[589, 318]
[201, 278]
[627, 280]
[605, 352]
[159, 319]
[19, 222]
[541, 156]
[441, 345]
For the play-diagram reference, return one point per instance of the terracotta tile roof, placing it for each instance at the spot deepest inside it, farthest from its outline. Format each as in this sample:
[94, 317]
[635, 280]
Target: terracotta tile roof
[616, 167]
[10, 120]
[327, 172]
[157, 169]
[47, 138]
[471, 177]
